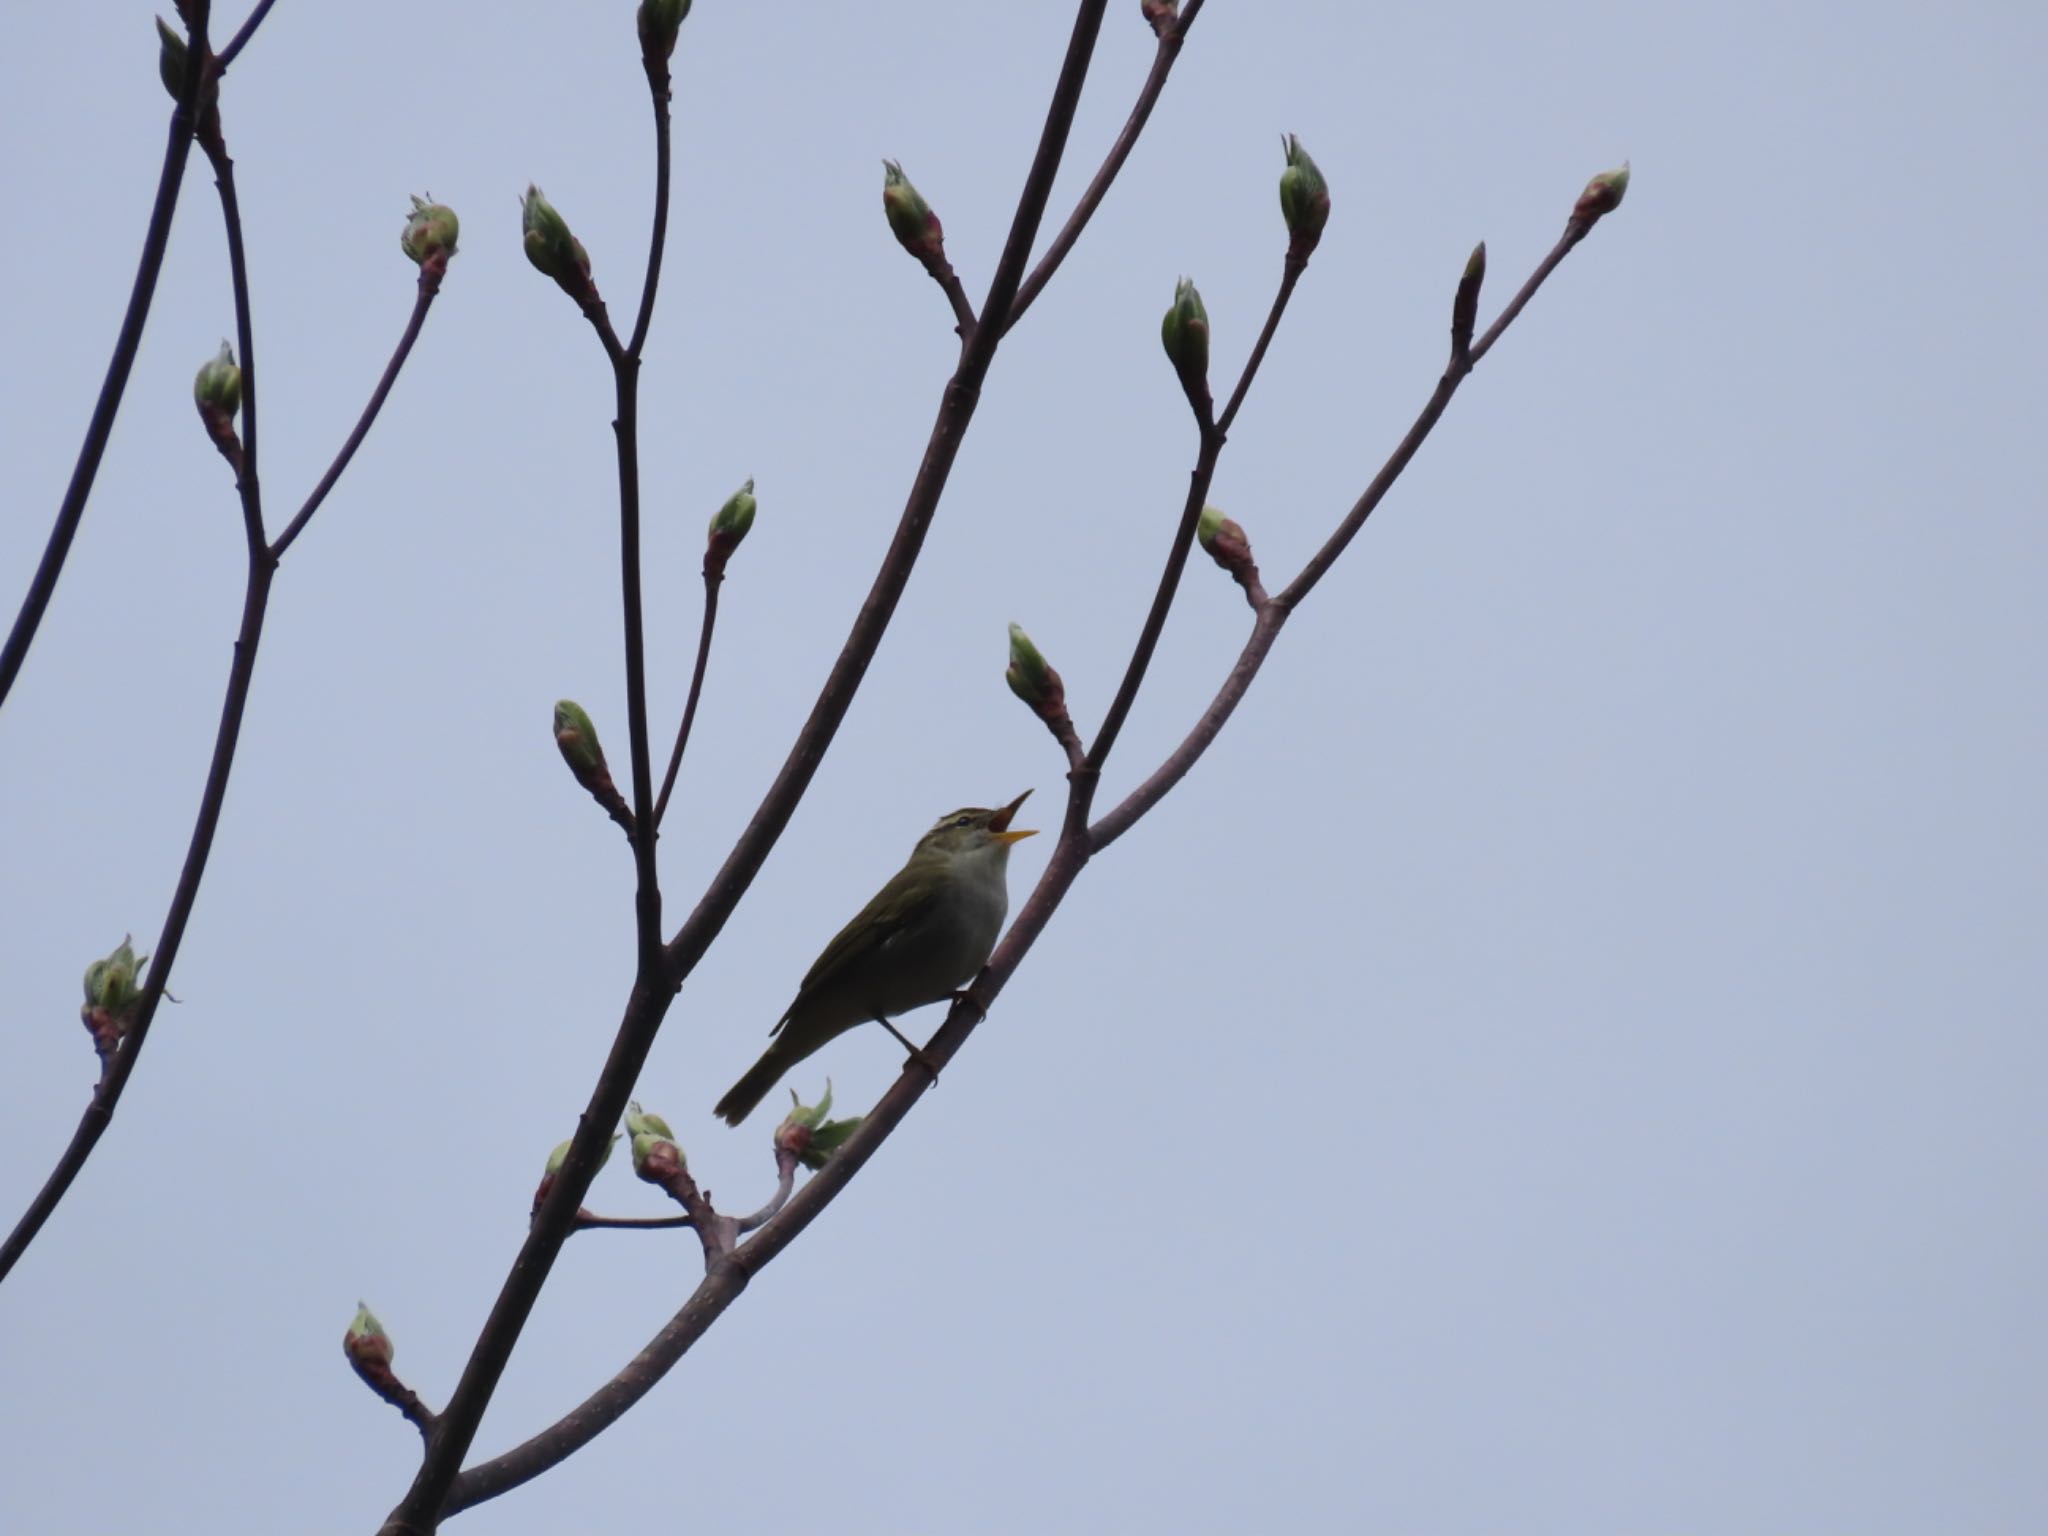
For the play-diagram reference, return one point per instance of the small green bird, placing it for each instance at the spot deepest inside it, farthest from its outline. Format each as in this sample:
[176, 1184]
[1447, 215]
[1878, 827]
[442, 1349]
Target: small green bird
[926, 933]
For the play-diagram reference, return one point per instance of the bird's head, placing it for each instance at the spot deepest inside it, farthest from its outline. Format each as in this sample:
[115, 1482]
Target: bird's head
[973, 830]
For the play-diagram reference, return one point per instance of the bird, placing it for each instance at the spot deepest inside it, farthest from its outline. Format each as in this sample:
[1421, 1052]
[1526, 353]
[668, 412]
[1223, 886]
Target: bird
[924, 935]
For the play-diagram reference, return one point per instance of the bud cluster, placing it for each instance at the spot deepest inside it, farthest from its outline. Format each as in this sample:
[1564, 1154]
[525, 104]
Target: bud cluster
[429, 235]
[656, 1157]
[113, 993]
[1032, 678]
[806, 1135]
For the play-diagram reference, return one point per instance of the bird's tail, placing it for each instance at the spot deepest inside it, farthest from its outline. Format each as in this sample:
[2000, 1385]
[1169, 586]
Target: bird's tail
[750, 1090]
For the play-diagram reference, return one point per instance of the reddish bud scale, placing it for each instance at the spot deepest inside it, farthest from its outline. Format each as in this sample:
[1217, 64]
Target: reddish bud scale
[1162, 14]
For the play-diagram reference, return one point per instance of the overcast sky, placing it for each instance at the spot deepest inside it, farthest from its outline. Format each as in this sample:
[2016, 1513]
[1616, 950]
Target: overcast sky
[1569, 1060]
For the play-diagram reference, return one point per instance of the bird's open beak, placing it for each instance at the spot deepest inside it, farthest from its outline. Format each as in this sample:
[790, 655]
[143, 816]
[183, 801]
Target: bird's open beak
[999, 824]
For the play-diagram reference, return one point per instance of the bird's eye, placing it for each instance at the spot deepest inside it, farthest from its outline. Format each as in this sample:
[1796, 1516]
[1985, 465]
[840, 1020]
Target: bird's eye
[961, 821]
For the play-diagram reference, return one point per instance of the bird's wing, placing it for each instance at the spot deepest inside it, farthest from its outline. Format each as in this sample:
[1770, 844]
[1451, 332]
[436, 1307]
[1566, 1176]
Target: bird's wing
[899, 907]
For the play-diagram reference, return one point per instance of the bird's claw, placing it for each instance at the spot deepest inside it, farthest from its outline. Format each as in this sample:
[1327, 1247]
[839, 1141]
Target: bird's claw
[966, 995]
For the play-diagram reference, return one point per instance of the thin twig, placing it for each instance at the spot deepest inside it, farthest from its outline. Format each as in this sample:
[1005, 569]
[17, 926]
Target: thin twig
[99, 1113]
[248, 30]
[247, 484]
[726, 1279]
[658, 92]
[1184, 534]
[785, 1182]
[262, 569]
[100, 425]
[429, 285]
[588, 1221]
[648, 1005]
[1098, 188]
[675, 759]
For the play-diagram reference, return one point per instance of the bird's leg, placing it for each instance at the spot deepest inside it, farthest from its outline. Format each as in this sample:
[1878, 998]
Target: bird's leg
[917, 1052]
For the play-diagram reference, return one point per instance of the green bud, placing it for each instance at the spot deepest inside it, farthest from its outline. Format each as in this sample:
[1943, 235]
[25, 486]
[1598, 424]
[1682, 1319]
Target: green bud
[115, 983]
[1030, 675]
[1602, 196]
[553, 251]
[729, 525]
[916, 227]
[561, 1155]
[217, 387]
[659, 22]
[577, 738]
[808, 1136]
[368, 1346]
[1304, 200]
[640, 1122]
[430, 232]
[1185, 334]
[1225, 543]
[810, 1116]
[173, 58]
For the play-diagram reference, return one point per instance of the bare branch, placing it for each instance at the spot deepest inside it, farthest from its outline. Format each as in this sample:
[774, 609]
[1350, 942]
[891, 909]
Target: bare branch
[429, 285]
[652, 994]
[712, 579]
[1126, 140]
[100, 425]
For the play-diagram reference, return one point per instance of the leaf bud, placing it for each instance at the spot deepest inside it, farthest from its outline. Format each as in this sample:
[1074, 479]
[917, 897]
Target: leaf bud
[1602, 196]
[916, 227]
[553, 251]
[1185, 334]
[729, 525]
[429, 234]
[1304, 201]
[368, 1346]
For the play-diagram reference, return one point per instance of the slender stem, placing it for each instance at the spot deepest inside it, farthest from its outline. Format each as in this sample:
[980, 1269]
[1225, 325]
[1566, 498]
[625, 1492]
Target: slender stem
[785, 1181]
[1091, 199]
[420, 1509]
[587, 1221]
[99, 1113]
[247, 485]
[647, 893]
[1289, 276]
[727, 1277]
[1417, 434]
[99, 426]
[1184, 535]
[675, 759]
[248, 30]
[1265, 630]
[658, 91]
[956, 295]
[429, 285]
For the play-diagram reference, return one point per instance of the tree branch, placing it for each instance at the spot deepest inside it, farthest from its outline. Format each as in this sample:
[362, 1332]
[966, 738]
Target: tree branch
[429, 286]
[100, 425]
[648, 1005]
[1126, 140]
[727, 1277]
[247, 484]
[675, 759]
[248, 30]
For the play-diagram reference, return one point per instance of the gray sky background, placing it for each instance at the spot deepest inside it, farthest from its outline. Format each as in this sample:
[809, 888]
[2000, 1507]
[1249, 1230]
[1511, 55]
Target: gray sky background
[1569, 1060]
